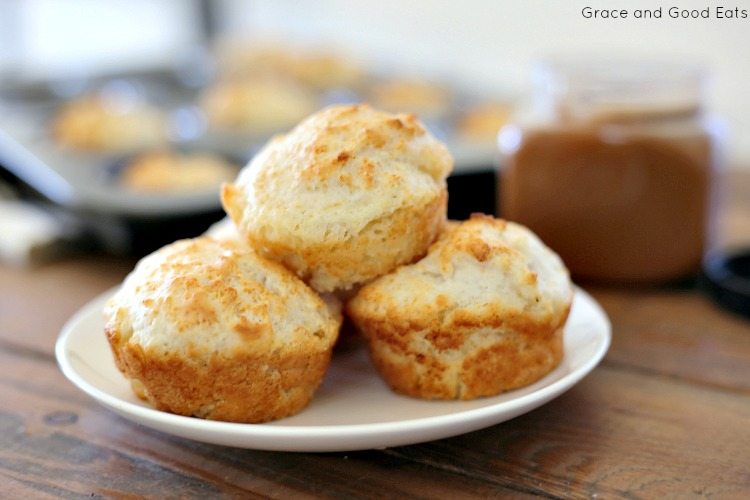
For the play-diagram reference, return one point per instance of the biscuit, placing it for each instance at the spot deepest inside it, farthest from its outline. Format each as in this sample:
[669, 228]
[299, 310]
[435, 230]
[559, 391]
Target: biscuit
[209, 329]
[99, 123]
[251, 58]
[320, 68]
[327, 70]
[169, 171]
[482, 313]
[346, 196]
[256, 105]
[426, 99]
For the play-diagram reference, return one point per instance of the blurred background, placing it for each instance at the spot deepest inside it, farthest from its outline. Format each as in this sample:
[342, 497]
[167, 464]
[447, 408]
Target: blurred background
[483, 44]
[120, 118]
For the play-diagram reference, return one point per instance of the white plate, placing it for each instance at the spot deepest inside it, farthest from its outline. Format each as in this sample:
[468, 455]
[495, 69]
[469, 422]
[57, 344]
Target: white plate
[352, 410]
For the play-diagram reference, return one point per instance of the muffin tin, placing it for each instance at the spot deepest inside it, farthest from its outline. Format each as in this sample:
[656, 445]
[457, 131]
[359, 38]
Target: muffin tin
[84, 182]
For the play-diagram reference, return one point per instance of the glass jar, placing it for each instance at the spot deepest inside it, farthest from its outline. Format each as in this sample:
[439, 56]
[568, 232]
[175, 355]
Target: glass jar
[614, 169]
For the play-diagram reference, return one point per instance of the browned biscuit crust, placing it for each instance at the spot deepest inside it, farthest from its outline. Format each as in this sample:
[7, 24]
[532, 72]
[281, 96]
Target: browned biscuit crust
[234, 387]
[414, 362]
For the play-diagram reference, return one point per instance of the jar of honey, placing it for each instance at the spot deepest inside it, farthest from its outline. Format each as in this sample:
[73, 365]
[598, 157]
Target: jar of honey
[614, 168]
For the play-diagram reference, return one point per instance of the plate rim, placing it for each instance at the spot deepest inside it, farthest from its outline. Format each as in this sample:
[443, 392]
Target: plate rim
[184, 425]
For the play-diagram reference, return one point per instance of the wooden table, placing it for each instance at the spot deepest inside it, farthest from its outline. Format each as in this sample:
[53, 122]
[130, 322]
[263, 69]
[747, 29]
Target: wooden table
[666, 414]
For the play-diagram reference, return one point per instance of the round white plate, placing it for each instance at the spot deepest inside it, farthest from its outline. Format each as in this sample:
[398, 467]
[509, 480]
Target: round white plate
[352, 410]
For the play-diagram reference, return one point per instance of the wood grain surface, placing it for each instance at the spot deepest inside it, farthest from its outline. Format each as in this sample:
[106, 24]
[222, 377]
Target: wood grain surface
[666, 414]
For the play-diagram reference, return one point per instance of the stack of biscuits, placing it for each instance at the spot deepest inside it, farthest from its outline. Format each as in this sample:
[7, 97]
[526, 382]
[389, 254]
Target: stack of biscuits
[344, 215]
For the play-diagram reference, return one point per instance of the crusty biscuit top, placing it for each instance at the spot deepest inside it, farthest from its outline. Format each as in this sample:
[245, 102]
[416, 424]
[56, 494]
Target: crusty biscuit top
[339, 170]
[204, 296]
[481, 272]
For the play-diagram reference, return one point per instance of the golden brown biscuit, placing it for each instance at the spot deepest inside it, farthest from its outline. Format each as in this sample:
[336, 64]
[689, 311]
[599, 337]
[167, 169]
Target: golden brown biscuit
[326, 70]
[108, 123]
[421, 97]
[171, 171]
[253, 58]
[346, 196]
[482, 313]
[319, 68]
[209, 329]
[257, 105]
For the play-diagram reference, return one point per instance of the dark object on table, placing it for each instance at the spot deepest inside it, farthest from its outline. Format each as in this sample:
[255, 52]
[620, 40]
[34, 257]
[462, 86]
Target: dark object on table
[727, 277]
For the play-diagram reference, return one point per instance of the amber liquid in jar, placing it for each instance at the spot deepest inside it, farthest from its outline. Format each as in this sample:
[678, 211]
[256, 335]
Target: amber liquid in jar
[622, 192]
